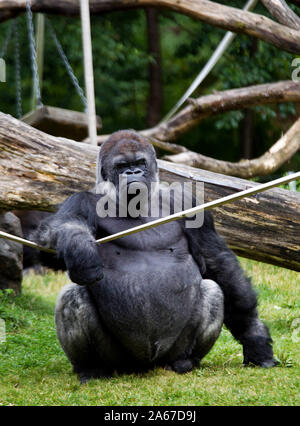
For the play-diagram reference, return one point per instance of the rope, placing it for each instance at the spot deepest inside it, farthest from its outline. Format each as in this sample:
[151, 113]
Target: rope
[35, 75]
[176, 216]
[7, 39]
[218, 53]
[67, 64]
[18, 71]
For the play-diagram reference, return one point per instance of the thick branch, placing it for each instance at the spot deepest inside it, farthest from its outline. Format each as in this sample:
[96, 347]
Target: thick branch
[225, 17]
[282, 13]
[268, 163]
[206, 106]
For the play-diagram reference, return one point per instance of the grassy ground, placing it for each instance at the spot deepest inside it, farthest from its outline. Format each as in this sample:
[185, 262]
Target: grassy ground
[34, 370]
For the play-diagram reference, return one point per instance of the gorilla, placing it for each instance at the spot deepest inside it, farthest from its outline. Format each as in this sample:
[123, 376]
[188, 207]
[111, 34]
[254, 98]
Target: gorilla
[154, 298]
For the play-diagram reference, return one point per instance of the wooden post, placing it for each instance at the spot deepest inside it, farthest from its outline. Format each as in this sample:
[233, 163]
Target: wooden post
[88, 69]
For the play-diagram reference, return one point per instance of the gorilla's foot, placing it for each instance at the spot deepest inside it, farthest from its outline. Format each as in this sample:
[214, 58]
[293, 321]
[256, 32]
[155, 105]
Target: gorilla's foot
[181, 366]
[258, 351]
[86, 374]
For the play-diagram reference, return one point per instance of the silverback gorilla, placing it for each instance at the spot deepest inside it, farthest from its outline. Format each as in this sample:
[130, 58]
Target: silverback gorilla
[154, 298]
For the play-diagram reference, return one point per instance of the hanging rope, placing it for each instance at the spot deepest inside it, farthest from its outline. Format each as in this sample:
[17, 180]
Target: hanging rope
[218, 53]
[35, 75]
[18, 71]
[7, 39]
[67, 64]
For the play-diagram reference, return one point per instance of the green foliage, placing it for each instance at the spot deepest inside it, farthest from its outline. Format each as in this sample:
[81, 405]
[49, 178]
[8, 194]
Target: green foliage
[35, 371]
[121, 75]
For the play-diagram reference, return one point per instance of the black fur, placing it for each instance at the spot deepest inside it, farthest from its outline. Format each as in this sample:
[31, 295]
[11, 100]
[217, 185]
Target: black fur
[149, 298]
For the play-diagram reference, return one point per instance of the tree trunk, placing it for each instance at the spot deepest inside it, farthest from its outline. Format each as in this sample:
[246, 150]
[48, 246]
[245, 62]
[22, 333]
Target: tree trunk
[39, 171]
[228, 18]
[247, 134]
[155, 91]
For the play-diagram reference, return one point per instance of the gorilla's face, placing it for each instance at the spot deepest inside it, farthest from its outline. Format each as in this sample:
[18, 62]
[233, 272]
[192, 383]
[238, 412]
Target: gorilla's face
[129, 158]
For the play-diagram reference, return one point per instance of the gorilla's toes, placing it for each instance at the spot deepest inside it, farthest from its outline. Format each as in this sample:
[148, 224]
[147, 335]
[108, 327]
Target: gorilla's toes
[268, 363]
[182, 366]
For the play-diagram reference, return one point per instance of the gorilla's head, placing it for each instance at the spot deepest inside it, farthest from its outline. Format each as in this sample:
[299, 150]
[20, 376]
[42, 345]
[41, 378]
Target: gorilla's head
[127, 155]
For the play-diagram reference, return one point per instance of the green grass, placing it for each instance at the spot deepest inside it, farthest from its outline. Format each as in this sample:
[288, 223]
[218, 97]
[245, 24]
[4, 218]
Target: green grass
[35, 371]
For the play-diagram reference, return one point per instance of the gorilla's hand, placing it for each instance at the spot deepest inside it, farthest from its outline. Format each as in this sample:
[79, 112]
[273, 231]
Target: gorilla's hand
[84, 265]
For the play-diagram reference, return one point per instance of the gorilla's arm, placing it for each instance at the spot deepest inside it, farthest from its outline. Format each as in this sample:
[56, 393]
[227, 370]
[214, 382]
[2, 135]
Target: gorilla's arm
[241, 317]
[71, 231]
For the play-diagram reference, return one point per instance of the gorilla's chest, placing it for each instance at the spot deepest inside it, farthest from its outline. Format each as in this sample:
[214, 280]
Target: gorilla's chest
[158, 248]
[149, 288]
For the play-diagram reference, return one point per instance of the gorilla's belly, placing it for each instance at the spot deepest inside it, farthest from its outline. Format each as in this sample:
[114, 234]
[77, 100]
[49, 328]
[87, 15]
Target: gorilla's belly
[146, 306]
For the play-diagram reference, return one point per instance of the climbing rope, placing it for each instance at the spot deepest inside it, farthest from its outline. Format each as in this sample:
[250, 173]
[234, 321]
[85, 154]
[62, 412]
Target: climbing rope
[35, 75]
[18, 71]
[7, 39]
[67, 64]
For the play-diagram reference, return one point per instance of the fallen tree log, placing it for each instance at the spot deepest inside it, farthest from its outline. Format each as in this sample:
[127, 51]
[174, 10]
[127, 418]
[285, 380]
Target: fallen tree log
[228, 18]
[39, 171]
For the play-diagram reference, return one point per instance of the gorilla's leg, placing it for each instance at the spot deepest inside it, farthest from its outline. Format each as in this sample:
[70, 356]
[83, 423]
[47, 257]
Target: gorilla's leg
[83, 337]
[212, 317]
[207, 323]
[240, 301]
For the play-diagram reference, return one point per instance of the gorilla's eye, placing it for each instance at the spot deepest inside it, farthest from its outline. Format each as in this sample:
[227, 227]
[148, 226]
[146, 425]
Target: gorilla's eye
[121, 165]
[141, 162]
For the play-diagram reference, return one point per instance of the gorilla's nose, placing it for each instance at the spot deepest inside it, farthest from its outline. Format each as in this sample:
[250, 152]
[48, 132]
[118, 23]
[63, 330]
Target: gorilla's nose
[133, 173]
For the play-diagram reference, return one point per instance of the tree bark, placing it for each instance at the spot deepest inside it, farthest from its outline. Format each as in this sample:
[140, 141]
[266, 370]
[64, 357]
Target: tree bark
[268, 163]
[39, 171]
[228, 18]
[282, 13]
[155, 91]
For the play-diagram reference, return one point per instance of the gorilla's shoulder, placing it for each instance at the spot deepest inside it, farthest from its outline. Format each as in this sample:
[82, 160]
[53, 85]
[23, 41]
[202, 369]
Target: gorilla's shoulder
[80, 203]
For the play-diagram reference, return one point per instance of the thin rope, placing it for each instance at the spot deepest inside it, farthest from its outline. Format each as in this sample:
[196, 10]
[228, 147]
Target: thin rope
[67, 64]
[218, 53]
[35, 74]
[7, 39]
[18, 71]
